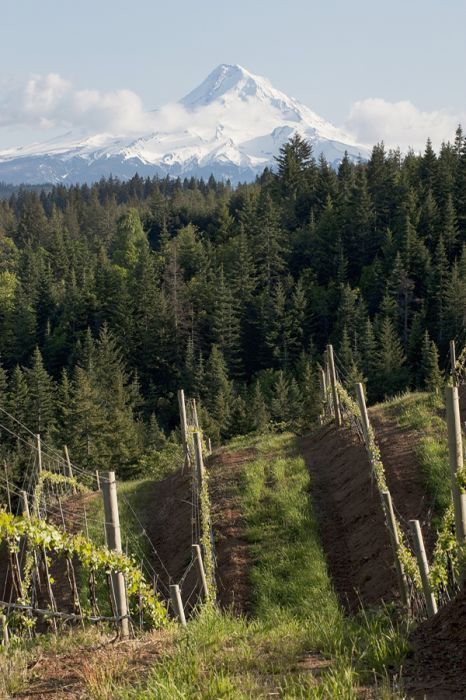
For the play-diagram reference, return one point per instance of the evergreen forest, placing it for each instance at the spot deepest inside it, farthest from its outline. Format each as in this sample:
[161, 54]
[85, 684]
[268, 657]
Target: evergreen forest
[114, 295]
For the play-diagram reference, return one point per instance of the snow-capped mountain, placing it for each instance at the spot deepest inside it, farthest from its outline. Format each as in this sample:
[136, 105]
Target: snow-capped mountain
[231, 126]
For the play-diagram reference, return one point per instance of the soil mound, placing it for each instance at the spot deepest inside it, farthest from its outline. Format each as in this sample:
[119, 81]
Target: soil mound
[403, 473]
[437, 670]
[351, 520]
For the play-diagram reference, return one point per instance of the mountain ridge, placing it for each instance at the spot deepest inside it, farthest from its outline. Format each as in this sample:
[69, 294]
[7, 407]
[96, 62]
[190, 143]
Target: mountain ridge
[231, 126]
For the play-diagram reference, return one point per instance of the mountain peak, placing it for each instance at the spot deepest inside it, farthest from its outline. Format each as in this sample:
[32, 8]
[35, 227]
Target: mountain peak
[224, 80]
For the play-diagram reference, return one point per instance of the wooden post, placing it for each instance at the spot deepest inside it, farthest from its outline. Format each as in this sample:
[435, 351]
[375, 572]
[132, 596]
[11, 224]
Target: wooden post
[363, 411]
[177, 603]
[421, 557]
[333, 381]
[39, 453]
[25, 504]
[323, 388]
[209, 445]
[7, 486]
[69, 468]
[453, 362]
[184, 428]
[195, 418]
[200, 468]
[395, 542]
[201, 570]
[5, 635]
[113, 535]
[97, 479]
[455, 451]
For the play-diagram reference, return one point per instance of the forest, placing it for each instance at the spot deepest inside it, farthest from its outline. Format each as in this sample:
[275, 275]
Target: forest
[115, 295]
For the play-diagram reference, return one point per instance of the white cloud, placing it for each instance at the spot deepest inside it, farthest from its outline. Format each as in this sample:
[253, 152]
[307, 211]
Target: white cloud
[48, 101]
[400, 124]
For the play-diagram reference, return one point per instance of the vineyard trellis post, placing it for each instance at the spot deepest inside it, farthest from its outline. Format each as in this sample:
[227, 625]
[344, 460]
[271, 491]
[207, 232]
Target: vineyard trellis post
[364, 414]
[455, 452]
[113, 534]
[7, 480]
[333, 381]
[201, 570]
[453, 362]
[39, 453]
[177, 603]
[69, 468]
[97, 479]
[200, 468]
[323, 388]
[195, 418]
[395, 542]
[421, 557]
[184, 427]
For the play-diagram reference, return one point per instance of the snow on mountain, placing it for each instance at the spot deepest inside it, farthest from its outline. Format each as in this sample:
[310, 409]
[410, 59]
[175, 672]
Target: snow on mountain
[232, 126]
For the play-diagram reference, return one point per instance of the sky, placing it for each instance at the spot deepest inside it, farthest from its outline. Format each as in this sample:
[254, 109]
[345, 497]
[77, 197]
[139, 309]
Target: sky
[380, 70]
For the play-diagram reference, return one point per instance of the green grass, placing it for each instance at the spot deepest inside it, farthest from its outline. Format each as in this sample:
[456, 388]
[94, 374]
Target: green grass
[423, 413]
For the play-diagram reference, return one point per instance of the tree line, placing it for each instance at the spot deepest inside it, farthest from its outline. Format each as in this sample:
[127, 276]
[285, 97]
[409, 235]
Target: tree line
[112, 296]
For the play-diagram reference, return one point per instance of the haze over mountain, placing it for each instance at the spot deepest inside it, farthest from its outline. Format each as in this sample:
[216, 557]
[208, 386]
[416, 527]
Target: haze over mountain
[232, 126]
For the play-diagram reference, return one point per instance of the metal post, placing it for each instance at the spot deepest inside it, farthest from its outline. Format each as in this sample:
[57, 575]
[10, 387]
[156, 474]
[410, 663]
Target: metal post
[200, 570]
[395, 542]
[69, 468]
[333, 381]
[421, 557]
[184, 427]
[39, 453]
[453, 362]
[177, 603]
[455, 450]
[113, 535]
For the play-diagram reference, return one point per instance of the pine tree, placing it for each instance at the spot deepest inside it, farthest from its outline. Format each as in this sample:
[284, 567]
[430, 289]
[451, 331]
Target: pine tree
[281, 401]
[391, 375]
[219, 397]
[130, 240]
[431, 375]
[259, 416]
[41, 396]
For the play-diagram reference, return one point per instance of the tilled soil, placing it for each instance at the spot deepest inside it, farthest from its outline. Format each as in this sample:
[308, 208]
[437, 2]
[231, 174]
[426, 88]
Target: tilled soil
[403, 474]
[351, 520]
[170, 531]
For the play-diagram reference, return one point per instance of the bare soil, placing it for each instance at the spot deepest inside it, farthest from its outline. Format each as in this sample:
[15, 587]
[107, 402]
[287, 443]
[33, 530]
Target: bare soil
[351, 521]
[403, 473]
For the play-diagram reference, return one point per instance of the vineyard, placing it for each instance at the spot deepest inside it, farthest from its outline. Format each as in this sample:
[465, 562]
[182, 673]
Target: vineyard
[231, 533]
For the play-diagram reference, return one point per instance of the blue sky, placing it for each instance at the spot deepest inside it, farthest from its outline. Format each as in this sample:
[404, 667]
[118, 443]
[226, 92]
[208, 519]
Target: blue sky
[334, 56]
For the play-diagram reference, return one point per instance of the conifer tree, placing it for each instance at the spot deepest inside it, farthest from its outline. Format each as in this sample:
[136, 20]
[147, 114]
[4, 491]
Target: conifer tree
[259, 416]
[431, 375]
[391, 375]
[41, 396]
